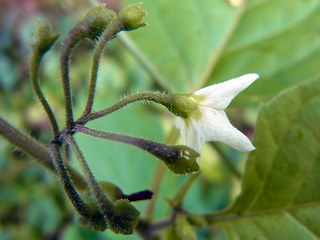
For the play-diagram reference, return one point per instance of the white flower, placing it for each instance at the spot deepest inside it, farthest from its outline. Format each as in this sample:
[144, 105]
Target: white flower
[212, 124]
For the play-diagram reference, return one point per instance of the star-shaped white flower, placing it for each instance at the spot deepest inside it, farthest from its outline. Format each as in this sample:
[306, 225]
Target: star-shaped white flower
[212, 124]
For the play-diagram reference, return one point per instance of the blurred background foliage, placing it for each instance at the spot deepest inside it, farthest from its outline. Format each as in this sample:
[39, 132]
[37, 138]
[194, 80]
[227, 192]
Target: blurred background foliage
[187, 45]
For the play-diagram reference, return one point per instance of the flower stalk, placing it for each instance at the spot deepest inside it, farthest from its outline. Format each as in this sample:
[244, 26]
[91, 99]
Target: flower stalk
[45, 39]
[129, 19]
[90, 27]
[179, 159]
[94, 218]
[122, 217]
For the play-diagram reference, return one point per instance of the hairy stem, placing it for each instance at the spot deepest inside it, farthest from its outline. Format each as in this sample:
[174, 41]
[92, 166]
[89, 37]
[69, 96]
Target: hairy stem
[35, 149]
[34, 72]
[71, 192]
[105, 204]
[95, 218]
[161, 98]
[161, 151]
[64, 66]
[113, 28]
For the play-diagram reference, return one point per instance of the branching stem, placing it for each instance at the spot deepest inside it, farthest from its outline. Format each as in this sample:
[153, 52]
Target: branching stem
[35, 149]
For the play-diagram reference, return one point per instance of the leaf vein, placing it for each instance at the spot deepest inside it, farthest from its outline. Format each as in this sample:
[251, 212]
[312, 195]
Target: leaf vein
[278, 147]
[290, 215]
[259, 228]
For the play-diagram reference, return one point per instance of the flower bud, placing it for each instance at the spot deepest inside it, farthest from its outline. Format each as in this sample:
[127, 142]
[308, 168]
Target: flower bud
[132, 17]
[97, 20]
[44, 38]
[92, 26]
[124, 218]
[95, 222]
[179, 159]
[111, 190]
[93, 219]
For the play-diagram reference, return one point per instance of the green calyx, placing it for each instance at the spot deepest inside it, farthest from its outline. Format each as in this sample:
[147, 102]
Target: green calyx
[124, 217]
[182, 160]
[94, 222]
[44, 39]
[184, 105]
[97, 20]
[91, 27]
[133, 16]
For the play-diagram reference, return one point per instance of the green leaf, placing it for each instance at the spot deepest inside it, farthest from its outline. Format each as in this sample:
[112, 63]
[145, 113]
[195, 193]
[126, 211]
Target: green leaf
[279, 40]
[191, 43]
[182, 38]
[280, 196]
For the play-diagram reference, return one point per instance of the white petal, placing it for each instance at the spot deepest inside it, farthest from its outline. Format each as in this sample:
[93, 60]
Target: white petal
[219, 96]
[219, 128]
[190, 133]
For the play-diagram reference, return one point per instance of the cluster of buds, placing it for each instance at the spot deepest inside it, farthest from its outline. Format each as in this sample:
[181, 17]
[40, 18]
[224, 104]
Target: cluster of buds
[200, 117]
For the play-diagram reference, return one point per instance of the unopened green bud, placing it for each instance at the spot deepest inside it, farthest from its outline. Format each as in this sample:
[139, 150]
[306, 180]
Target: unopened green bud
[132, 17]
[92, 26]
[94, 222]
[124, 218]
[97, 20]
[181, 159]
[93, 219]
[44, 38]
[111, 190]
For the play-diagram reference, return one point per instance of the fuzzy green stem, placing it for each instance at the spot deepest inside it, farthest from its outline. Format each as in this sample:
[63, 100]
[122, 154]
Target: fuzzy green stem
[179, 159]
[94, 217]
[71, 192]
[35, 60]
[26, 143]
[113, 28]
[68, 45]
[35, 149]
[105, 204]
[157, 97]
